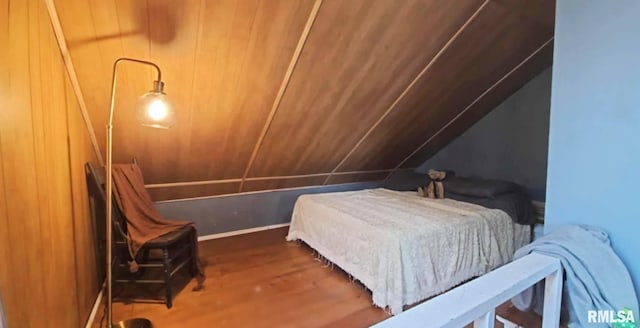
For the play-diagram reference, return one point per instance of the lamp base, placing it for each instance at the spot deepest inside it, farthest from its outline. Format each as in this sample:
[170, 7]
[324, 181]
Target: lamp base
[133, 323]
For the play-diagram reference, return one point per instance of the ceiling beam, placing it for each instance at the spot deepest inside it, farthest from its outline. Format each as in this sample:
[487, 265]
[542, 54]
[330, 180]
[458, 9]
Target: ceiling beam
[406, 90]
[283, 88]
[66, 56]
[469, 106]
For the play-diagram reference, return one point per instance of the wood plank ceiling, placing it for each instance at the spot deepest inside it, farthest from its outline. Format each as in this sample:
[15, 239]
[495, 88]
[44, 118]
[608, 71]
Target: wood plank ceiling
[286, 93]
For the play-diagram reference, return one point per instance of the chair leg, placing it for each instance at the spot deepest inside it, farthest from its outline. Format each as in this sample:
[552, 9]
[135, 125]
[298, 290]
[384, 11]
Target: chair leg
[167, 276]
[194, 258]
[116, 272]
[145, 259]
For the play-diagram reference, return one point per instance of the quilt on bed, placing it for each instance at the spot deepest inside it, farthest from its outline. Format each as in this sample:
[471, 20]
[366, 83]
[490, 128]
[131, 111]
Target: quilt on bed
[405, 248]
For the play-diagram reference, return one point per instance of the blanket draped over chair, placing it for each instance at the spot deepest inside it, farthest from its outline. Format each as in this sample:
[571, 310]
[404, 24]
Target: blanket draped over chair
[144, 222]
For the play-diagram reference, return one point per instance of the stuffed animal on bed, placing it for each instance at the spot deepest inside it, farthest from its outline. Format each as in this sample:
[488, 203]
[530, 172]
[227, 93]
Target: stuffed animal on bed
[435, 188]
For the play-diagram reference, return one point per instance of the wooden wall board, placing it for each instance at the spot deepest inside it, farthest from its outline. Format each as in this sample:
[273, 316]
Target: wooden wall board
[20, 179]
[81, 151]
[359, 57]
[495, 42]
[43, 213]
[534, 66]
[223, 62]
[272, 88]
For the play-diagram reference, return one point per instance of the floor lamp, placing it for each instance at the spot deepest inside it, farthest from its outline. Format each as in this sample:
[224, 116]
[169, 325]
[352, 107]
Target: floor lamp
[152, 110]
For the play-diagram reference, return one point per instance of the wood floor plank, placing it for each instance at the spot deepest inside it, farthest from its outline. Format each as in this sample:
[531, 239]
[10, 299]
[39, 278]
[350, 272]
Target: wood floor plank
[260, 280]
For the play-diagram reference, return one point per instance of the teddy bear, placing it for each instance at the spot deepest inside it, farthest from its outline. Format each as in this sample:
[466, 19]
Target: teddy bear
[435, 188]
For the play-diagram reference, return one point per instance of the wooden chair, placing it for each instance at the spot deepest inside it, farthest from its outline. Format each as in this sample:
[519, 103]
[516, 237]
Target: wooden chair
[172, 251]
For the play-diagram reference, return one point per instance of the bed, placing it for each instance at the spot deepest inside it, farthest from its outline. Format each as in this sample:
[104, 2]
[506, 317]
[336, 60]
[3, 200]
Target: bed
[402, 247]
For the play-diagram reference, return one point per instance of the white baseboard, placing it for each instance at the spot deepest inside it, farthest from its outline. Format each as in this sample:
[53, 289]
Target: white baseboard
[94, 310]
[241, 232]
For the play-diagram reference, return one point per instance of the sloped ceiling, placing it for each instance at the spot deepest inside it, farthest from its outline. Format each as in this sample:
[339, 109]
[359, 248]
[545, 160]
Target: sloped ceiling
[284, 93]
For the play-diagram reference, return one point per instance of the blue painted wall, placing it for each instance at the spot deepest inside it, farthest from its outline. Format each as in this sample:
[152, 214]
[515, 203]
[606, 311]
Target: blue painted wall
[244, 211]
[510, 143]
[594, 142]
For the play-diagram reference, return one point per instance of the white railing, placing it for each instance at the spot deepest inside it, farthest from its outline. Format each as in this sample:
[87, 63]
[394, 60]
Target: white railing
[477, 300]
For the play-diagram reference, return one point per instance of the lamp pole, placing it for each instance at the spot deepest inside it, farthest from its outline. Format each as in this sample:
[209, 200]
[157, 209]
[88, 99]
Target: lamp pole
[158, 86]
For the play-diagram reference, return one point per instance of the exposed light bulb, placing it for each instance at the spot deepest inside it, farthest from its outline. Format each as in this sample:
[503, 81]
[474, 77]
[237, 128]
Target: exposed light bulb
[157, 110]
[154, 110]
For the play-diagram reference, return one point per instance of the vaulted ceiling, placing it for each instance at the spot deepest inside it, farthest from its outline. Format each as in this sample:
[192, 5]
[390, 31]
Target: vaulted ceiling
[285, 93]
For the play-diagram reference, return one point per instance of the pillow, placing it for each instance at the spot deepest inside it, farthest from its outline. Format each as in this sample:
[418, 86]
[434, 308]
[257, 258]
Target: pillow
[406, 181]
[478, 187]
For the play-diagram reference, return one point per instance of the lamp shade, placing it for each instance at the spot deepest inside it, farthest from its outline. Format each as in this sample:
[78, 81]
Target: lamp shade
[154, 110]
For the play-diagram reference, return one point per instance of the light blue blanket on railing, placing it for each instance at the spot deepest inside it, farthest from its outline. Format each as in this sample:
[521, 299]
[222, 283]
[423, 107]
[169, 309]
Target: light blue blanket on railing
[595, 277]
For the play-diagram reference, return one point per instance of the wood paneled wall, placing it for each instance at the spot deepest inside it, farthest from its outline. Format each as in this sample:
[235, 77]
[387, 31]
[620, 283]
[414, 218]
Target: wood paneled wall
[279, 93]
[47, 264]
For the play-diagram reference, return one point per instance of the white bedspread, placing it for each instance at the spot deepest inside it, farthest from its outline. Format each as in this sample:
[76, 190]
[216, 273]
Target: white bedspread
[403, 247]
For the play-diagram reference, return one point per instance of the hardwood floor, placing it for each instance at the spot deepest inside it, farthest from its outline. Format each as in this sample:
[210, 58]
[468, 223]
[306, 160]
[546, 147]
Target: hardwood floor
[260, 280]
